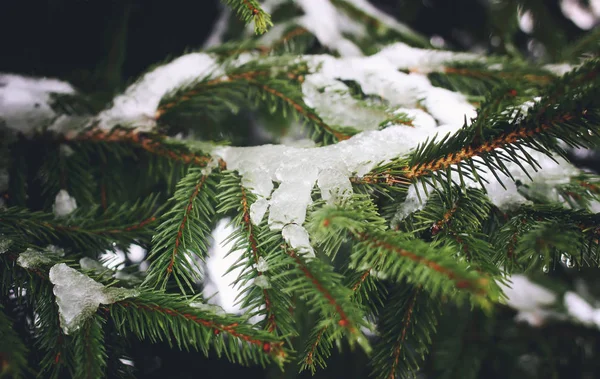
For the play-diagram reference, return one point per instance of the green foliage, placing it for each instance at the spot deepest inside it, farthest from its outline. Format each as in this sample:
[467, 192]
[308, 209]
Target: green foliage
[162, 317]
[250, 10]
[13, 352]
[182, 234]
[409, 320]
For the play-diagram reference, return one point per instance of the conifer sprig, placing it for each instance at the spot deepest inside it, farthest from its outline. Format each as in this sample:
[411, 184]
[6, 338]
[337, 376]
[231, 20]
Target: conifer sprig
[273, 84]
[181, 238]
[163, 317]
[409, 320]
[250, 10]
[90, 229]
[259, 260]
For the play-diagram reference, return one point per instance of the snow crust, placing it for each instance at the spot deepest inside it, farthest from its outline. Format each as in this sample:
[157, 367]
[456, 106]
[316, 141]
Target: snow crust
[551, 174]
[378, 75]
[34, 259]
[321, 18]
[297, 237]
[581, 310]
[262, 265]
[219, 288]
[25, 102]
[423, 61]
[78, 296]
[5, 244]
[262, 282]
[64, 204]
[530, 299]
[137, 105]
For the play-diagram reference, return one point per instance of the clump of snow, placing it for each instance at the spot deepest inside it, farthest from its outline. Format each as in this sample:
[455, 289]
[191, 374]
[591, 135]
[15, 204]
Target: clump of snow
[262, 265]
[321, 18]
[262, 282]
[136, 107]
[525, 21]
[257, 210]
[78, 296]
[378, 75]
[581, 310]
[89, 264]
[25, 102]
[208, 307]
[529, 299]
[411, 204]
[5, 244]
[331, 99]
[64, 204]
[335, 187]
[297, 237]
[65, 150]
[218, 286]
[33, 259]
[544, 180]
[136, 253]
[559, 68]
[581, 15]
[423, 61]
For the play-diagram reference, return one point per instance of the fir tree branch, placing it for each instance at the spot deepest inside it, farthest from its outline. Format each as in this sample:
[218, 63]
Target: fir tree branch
[274, 89]
[89, 350]
[499, 137]
[87, 229]
[163, 317]
[260, 246]
[409, 320]
[183, 231]
[396, 254]
[155, 144]
[248, 10]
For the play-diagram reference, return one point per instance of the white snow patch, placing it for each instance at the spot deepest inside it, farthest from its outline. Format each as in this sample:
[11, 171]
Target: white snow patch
[579, 309]
[411, 204]
[378, 76]
[262, 282]
[423, 61]
[34, 259]
[219, 288]
[25, 102]
[543, 181]
[297, 237]
[581, 16]
[136, 253]
[5, 244]
[257, 210]
[321, 18]
[528, 298]
[262, 265]
[525, 21]
[64, 204]
[136, 107]
[335, 187]
[78, 296]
